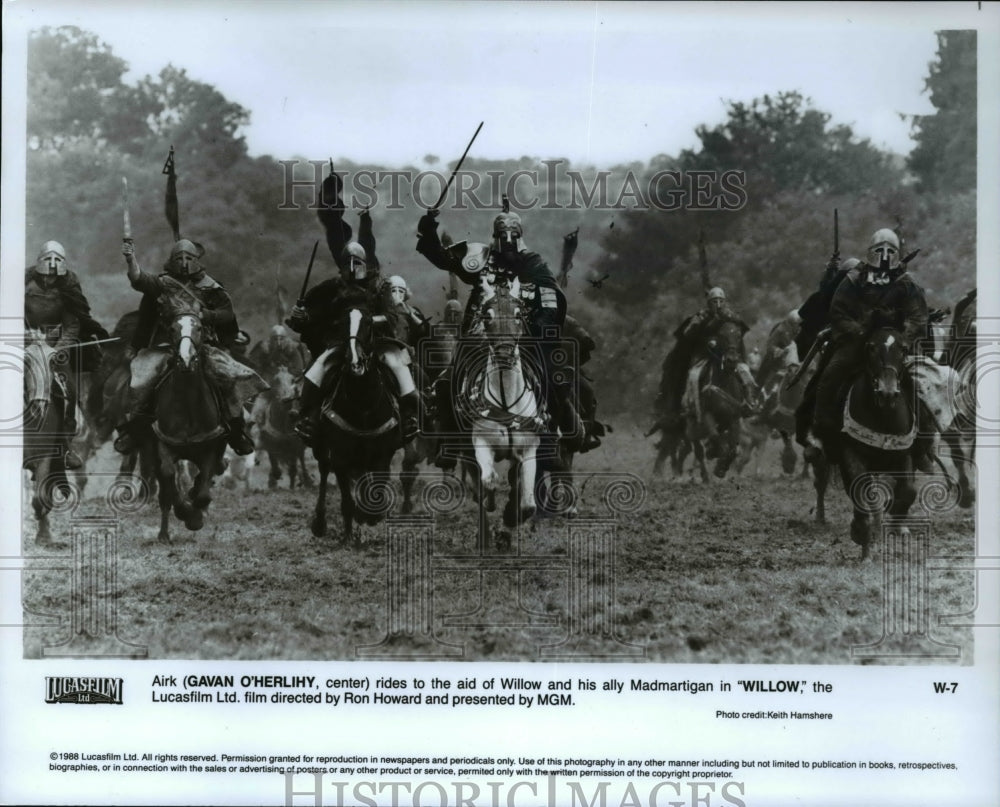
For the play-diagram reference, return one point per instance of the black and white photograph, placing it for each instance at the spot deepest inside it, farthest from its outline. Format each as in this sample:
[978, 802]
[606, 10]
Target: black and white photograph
[504, 403]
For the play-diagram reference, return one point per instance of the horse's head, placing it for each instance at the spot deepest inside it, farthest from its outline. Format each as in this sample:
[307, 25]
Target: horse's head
[728, 345]
[884, 355]
[503, 324]
[359, 340]
[186, 337]
[285, 386]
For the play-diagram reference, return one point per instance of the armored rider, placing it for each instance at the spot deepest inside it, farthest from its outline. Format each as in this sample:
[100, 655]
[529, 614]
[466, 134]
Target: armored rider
[55, 306]
[150, 346]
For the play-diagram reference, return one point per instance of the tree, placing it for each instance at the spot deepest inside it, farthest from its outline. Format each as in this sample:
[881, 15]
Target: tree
[944, 158]
[72, 77]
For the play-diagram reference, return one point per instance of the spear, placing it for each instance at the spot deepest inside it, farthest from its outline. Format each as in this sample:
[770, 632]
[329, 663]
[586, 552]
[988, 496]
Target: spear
[305, 283]
[703, 261]
[451, 179]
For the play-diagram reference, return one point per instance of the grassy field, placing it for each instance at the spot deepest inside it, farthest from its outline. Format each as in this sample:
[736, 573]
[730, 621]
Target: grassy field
[735, 571]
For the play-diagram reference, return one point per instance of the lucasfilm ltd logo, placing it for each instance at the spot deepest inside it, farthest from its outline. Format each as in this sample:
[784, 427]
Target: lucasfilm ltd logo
[83, 690]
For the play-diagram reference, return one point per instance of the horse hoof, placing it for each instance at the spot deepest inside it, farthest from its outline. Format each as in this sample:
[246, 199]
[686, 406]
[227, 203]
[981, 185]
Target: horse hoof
[406, 508]
[318, 526]
[196, 521]
[503, 541]
[163, 537]
[967, 500]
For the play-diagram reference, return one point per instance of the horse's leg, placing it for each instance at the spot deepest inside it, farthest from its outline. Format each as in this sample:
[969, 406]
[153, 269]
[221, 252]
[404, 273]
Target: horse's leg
[962, 460]
[168, 495]
[41, 500]
[699, 455]
[345, 483]
[408, 477]
[788, 455]
[853, 472]
[487, 471]
[527, 468]
[318, 523]
[292, 461]
[821, 479]
[274, 472]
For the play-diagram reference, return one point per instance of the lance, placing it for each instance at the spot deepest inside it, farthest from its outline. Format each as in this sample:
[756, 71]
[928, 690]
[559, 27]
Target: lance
[305, 283]
[126, 219]
[703, 261]
[836, 235]
[458, 167]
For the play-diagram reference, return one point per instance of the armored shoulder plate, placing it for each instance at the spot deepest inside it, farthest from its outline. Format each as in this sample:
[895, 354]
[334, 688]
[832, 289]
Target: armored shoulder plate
[472, 256]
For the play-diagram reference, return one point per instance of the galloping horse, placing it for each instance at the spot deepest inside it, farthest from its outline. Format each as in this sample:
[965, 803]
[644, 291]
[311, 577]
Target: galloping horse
[45, 431]
[273, 414]
[498, 403]
[189, 424]
[358, 435]
[877, 436]
[717, 397]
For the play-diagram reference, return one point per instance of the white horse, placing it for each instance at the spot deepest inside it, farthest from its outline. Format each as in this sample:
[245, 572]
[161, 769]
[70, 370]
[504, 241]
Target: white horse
[499, 402]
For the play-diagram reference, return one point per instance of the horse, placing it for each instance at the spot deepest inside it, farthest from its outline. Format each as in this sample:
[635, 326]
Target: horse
[435, 353]
[107, 399]
[880, 423]
[273, 414]
[498, 403]
[960, 436]
[359, 433]
[189, 423]
[720, 392]
[45, 432]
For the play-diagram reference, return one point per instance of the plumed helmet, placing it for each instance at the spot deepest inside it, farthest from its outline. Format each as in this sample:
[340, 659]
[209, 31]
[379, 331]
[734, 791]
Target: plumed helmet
[184, 258]
[398, 289]
[507, 232]
[354, 261]
[883, 249]
[51, 259]
[715, 293]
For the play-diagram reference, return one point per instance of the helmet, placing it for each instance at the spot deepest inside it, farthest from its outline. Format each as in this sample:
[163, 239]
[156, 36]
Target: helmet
[51, 259]
[507, 232]
[452, 312]
[278, 331]
[715, 293]
[398, 289]
[184, 259]
[883, 250]
[354, 261]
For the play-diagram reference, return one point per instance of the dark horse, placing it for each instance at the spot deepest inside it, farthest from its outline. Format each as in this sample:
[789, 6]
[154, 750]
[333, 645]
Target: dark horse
[960, 437]
[45, 431]
[273, 412]
[189, 423]
[359, 433]
[876, 438]
[106, 402]
[717, 398]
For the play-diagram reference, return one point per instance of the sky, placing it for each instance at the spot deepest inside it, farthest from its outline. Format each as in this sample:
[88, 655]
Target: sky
[598, 83]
